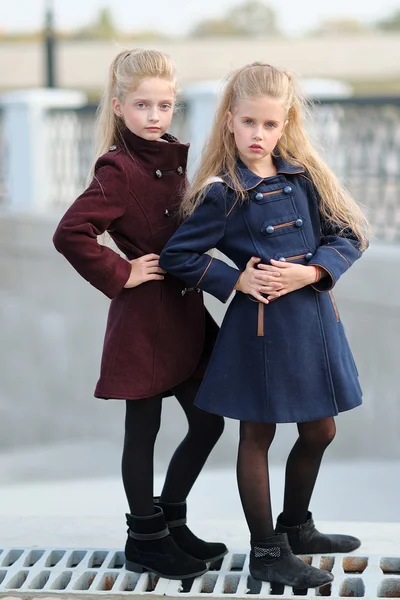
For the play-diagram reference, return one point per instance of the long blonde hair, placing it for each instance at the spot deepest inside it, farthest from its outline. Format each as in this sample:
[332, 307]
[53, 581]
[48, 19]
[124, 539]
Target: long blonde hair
[127, 71]
[220, 152]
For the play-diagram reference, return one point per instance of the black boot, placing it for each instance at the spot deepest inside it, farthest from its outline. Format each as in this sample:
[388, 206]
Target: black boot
[175, 516]
[271, 559]
[150, 547]
[305, 539]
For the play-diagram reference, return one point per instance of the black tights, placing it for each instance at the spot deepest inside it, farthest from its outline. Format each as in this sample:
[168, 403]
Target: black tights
[301, 472]
[142, 423]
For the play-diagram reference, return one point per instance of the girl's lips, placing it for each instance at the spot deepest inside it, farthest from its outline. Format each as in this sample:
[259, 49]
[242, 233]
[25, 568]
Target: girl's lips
[256, 147]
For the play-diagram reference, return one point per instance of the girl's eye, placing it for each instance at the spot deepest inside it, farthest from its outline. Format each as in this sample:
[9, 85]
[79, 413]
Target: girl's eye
[140, 105]
[270, 125]
[165, 106]
[248, 122]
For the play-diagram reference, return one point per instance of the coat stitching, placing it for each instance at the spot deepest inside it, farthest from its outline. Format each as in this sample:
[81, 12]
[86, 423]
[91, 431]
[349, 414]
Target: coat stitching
[327, 364]
[334, 305]
[341, 255]
[204, 272]
[273, 193]
[117, 341]
[281, 225]
[156, 338]
[295, 257]
[305, 177]
[231, 209]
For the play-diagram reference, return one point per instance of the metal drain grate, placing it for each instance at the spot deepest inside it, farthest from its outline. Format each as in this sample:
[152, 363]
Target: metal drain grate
[83, 572]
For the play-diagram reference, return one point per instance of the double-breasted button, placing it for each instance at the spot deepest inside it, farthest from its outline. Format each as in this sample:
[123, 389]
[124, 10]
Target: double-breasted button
[282, 259]
[259, 196]
[179, 170]
[309, 255]
[299, 223]
[158, 173]
[112, 148]
[191, 289]
[270, 229]
[166, 212]
[287, 189]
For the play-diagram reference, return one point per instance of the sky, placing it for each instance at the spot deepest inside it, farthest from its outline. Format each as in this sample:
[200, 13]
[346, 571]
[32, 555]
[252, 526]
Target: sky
[178, 16]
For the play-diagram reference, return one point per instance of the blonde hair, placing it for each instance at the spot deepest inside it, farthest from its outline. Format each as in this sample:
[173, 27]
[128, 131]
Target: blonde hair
[220, 153]
[127, 71]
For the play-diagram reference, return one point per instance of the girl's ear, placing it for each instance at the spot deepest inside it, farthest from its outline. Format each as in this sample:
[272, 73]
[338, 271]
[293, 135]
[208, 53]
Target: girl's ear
[229, 121]
[116, 105]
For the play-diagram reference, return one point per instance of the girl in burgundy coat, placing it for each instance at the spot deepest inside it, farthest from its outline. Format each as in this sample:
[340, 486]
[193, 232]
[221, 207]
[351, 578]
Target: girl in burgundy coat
[158, 337]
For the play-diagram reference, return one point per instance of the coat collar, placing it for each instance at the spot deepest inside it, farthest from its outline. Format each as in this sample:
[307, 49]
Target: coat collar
[250, 180]
[167, 154]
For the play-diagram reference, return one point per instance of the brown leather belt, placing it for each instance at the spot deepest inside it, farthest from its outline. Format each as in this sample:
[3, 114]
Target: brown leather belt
[260, 325]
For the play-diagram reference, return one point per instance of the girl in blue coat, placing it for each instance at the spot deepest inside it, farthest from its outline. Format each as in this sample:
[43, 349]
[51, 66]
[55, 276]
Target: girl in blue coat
[265, 199]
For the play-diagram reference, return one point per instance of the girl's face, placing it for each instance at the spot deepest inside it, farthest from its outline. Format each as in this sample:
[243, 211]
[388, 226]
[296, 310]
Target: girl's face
[148, 110]
[257, 124]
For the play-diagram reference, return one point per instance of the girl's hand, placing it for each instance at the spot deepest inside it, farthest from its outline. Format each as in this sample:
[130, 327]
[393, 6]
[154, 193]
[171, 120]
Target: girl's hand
[255, 282]
[292, 276]
[144, 269]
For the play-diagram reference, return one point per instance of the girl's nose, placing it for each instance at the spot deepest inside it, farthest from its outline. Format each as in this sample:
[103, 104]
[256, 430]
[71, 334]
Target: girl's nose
[154, 115]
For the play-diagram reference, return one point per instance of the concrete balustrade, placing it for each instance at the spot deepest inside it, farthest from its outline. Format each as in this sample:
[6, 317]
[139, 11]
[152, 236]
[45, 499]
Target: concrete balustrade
[28, 176]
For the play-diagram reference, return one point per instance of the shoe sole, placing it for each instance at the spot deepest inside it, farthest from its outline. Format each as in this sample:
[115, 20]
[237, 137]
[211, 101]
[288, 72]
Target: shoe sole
[136, 568]
[214, 558]
[290, 584]
[303, 552]
[326, 552]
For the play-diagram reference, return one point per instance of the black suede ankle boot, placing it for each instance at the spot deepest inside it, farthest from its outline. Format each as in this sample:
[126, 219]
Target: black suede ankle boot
[150, 547]
[305, 539]
[271, 559]
[175, 516]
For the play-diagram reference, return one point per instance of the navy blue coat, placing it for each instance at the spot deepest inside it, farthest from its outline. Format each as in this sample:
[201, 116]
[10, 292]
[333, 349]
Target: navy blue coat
[295, 365]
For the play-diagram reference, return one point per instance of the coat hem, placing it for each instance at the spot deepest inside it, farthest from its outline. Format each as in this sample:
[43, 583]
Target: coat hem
[165, 391]
[308, 420]
[103, 396]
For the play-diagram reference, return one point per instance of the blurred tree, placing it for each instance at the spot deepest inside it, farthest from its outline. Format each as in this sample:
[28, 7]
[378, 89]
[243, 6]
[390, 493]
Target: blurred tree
[103, 28]
[250, 18]
[391, 23]
[142, 34]
[214, 27]
[22, 36]
[341, 26]
[253, 18]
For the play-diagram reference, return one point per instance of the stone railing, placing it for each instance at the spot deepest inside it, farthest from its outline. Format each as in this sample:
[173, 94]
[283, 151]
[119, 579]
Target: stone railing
[46, 148]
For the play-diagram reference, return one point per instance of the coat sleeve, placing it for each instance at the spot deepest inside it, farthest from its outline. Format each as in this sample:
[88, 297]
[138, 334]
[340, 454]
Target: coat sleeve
[90, 215]
[338, 250]
[185, 254]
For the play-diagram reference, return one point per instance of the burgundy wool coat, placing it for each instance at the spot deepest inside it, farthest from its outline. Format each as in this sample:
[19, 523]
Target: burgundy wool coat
[156, 335]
